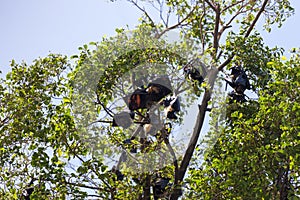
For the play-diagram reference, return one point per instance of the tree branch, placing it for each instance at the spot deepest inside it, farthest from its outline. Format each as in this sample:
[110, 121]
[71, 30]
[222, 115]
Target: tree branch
[109, 112]
[145, 12]
[202, 33]
[210, 5]
[146, 188]
[176, 25]
[161, 13]
[232, 5]
[231, 19]
[226, 62]
[257, 17]
[4, 121]
[88, 186]
[175, 162]
[216, 30]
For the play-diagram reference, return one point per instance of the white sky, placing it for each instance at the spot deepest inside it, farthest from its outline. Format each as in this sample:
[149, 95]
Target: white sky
[35, 28]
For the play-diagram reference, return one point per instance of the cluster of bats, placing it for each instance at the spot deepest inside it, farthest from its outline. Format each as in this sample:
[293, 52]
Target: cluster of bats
[156, 93]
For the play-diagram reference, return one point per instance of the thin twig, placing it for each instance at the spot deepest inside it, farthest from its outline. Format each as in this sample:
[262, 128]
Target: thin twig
[145, 12]
[232, 5]
[87, 186]
[91, 168]
[180, 23]
[109, 112]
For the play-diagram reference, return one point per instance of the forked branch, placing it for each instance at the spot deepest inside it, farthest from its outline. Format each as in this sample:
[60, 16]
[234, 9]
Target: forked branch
[251, 27]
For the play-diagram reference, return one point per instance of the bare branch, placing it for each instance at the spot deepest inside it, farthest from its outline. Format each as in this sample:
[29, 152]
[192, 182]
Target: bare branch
[180, 23]
[228, 24]
[4, 121]
[168, 15]
[100, 121]
[216, 30]
[225, 63]
[220, 68]
[161, 13]
[175, 162]
[109, 112]
[232, 5]
[88, 186]
[231, 20]
[134, 2]
[210, 5]
[256, 18]
[196, 133]
[202, 36]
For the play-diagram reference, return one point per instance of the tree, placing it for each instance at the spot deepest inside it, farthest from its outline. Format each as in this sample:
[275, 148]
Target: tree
[34, 128]
[50, 114]
[256, 154]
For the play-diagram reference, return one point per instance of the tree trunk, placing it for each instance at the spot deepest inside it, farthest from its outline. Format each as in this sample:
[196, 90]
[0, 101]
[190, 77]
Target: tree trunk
[176, 193]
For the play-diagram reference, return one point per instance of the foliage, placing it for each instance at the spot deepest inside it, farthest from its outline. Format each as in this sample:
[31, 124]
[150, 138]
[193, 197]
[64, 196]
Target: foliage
[34, 125]
[256, 156]
[56, 137]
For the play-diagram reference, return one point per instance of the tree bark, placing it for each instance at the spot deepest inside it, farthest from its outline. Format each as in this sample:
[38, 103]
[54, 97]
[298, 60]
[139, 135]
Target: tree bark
[146, 188]
[176, 193]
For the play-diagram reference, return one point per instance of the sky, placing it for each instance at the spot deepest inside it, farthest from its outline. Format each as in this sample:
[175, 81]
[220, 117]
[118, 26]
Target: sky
[35, 28]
